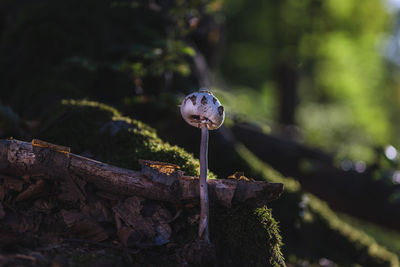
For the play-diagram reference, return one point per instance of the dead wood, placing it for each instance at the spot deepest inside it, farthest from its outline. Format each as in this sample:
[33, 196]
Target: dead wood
[157, 181]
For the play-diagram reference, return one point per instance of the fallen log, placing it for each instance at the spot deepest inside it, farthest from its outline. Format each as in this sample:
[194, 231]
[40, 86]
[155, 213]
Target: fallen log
[156, 180]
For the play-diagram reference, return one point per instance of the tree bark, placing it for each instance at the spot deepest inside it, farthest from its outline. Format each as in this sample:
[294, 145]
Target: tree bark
[156, 180]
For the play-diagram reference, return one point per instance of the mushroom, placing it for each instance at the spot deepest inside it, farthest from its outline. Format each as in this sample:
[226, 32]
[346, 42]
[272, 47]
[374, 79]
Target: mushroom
[203, 110]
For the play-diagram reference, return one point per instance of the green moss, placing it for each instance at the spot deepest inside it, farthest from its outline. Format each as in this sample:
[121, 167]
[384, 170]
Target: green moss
[245, 236]
[311, 230]
[273, 236]
[387, 237]
[99, 130]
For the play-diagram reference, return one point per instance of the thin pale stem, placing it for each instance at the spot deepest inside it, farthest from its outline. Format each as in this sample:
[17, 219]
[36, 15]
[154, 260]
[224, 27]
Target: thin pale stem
[204, 201]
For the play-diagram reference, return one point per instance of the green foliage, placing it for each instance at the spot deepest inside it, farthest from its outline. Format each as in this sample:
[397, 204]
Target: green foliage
[347, 79]
[345, 97]
[158, 60]
[248, 57]
[104, 50]
[248, 105]
[332, 127]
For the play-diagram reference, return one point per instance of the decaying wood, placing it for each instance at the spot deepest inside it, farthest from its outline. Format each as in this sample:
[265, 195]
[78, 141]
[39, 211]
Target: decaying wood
[158, 181]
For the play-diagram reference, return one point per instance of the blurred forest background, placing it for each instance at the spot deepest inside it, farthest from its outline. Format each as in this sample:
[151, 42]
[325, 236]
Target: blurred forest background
[311, 91]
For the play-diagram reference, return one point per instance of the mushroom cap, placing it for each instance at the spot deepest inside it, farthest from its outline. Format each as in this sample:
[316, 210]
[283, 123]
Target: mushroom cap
[203, 107]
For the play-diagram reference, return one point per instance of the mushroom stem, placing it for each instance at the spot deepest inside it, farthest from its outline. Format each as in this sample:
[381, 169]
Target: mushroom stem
[204, 203]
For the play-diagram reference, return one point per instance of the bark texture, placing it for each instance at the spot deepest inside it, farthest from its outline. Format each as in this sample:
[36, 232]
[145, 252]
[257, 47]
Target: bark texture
[156, 180]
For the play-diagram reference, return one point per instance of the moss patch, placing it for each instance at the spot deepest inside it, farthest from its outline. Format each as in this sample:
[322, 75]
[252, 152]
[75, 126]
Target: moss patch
[245, 236]
[100, 131]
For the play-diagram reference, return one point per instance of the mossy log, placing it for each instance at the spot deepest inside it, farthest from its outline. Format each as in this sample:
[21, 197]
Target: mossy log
[156, 180]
